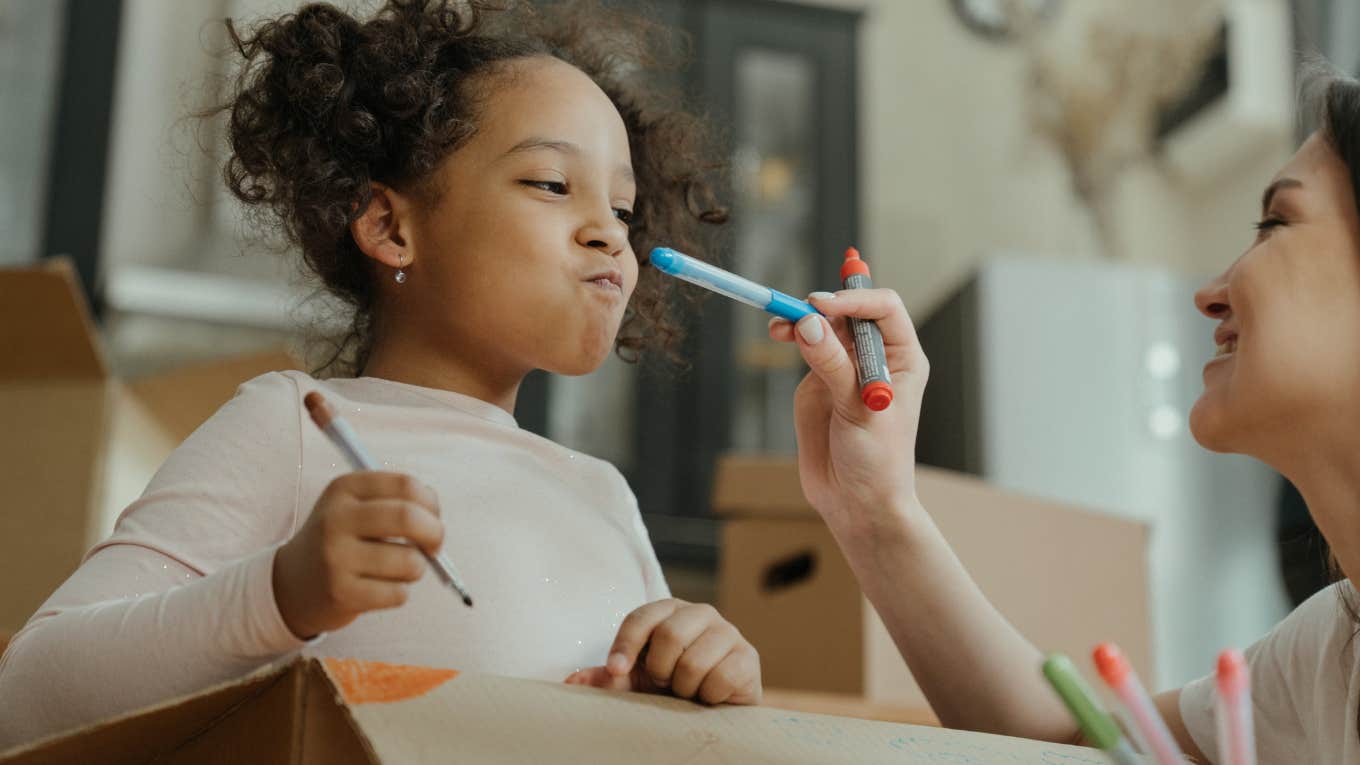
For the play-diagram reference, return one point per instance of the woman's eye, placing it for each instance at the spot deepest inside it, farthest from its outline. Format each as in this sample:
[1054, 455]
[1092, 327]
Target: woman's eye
[552, 187]
[1268, 223]
[624, 215]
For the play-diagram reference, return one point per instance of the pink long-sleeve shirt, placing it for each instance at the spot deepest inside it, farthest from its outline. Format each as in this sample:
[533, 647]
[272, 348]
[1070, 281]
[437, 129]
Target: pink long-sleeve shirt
[180, 597]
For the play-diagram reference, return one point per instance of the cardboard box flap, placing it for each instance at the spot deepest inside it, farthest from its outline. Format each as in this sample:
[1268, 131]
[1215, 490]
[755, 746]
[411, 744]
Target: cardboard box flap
[350, 712]
[426, 717]
[765, 485]
[150, 734]
[758, 485]
[45, 325]
[183, 398]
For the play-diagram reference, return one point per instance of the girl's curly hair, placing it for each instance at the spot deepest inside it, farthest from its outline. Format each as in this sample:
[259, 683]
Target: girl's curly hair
[325, 104]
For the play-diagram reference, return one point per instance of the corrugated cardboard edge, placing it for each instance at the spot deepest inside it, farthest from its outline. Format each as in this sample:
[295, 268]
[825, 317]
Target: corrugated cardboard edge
[206, 710]
[183, 398]
[333, 671]
[317, 670]
[760, 486]
[49, 332]
[230, 695]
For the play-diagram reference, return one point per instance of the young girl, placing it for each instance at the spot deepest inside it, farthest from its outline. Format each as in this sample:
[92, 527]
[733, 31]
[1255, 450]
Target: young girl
[478, 185]
[1282, 387]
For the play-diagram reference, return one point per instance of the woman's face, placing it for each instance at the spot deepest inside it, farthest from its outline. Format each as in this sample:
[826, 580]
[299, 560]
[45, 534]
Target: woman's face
[1288, 312]
[524, 262]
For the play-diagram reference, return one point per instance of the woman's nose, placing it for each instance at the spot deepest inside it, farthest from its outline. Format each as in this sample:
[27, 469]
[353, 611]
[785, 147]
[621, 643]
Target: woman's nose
[1212, 298]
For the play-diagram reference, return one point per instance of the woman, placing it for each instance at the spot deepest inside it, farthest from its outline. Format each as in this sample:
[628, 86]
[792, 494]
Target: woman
[1281, 387]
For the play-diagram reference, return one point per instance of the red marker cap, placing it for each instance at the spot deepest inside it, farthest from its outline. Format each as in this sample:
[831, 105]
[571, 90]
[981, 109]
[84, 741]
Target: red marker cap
[853, 265]
[877, 395]
[1232, 672]
[1111, 663]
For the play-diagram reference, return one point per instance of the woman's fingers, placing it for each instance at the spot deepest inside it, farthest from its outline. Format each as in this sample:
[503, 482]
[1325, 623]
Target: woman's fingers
[884, 307]
[829, 361]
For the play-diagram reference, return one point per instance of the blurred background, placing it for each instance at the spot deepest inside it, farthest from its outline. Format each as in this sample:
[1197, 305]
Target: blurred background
[1044, 181]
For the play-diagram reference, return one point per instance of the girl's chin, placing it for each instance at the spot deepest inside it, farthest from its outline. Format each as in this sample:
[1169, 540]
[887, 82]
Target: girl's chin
[583, 364]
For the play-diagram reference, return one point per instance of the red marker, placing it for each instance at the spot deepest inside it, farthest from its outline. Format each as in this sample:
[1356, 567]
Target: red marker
[1236, 740]
[875, 384]
[1143, 717]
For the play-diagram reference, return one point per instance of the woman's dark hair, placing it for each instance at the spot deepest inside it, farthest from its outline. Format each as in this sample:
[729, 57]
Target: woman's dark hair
[1336, 108]
[1331, 100]
[326, 103]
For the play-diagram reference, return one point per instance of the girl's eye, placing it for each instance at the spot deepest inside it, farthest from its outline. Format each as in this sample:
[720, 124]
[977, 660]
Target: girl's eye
[626, 216]
[1268, 224]
[552, 187]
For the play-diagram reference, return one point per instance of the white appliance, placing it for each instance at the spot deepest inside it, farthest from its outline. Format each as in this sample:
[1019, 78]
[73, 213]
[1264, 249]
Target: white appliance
[1071, 380]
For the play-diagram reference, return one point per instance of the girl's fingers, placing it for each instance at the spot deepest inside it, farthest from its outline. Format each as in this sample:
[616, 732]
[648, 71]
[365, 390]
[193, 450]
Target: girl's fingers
[389, 561]
[635, 632]
[359, 594]
[387, 485]
[735, 679]
[700, 658]
[599, 677]
[397, 519]
[673, 637]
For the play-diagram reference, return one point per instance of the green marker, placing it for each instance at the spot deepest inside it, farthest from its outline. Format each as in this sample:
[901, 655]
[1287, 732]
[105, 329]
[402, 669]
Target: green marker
[1096, 724]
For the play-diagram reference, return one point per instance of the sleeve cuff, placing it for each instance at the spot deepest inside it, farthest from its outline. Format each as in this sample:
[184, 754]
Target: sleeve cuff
[1197, 712]
[267, 634]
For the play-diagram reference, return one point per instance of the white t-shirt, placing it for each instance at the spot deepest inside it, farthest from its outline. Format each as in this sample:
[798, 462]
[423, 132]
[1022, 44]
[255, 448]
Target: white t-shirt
[180, 597]
[1305, 676]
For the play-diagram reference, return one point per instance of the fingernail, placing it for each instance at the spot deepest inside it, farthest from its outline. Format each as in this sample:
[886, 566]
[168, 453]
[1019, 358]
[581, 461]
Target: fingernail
[617, 664]
[774, 319]
[810, 327]
[821, 295]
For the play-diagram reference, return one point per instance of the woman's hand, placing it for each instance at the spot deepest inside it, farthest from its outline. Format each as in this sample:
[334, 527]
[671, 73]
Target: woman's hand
[856, 464]
[348, 558]
[686, 649]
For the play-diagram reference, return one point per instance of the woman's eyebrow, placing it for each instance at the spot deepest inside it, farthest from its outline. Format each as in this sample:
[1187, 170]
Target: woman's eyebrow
[1281, 183]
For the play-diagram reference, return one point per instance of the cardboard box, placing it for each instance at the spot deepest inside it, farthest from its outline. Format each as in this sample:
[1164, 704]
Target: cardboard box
[347, 712]
[847, 705]
[78, 445]
[1067, 578]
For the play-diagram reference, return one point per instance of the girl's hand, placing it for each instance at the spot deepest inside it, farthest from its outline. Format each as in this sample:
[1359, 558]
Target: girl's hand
[686, 649]
[347, 558]
[855, 464]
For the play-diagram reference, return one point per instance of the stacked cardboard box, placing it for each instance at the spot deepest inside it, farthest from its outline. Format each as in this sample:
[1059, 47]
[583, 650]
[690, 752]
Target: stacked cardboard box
[79, 444]
[1067, 578]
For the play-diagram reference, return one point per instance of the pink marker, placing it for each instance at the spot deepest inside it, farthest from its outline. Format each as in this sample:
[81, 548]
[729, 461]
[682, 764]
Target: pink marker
[1141, 713]
[1236, 737]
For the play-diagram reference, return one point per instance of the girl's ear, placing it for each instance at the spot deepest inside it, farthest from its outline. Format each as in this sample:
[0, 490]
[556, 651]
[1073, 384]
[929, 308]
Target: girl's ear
[380, 230]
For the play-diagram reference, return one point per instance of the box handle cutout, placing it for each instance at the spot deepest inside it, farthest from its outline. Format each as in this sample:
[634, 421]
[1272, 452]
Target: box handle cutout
[790, 571]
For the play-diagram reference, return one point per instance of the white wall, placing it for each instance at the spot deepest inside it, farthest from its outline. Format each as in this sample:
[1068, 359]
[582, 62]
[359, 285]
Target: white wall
[952, 173]
[30, 48]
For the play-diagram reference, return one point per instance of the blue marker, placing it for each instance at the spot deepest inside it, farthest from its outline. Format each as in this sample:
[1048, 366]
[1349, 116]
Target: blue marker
[668, 261]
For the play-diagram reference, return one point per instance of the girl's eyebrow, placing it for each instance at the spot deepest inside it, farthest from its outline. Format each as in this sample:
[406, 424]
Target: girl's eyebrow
[535, 143]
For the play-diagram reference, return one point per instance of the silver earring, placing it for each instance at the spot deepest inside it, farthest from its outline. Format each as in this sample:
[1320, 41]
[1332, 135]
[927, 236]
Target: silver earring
[401, 274]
